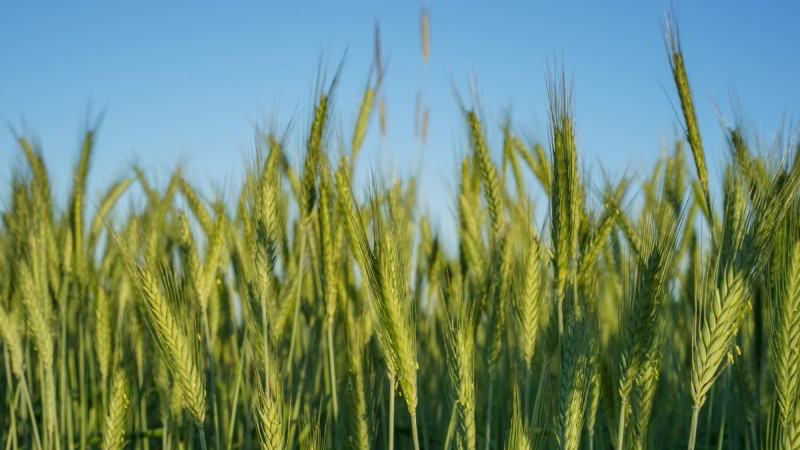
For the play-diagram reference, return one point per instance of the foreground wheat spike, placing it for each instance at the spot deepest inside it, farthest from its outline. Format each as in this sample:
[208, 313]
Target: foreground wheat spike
[519, 434]
[576, 349]
[327, 264]
[687, 105]
[383, 269]
[461, 348]
[269, 407]
[719, 318]
[645, 303]
[116, 421]
[195, 203]
[488, 173]
[566, 201]
[355, 386]
[102, 325]
[362, 123]
[784, 321]
[643, 396]
[527, 298]
[78, 203]
[36, 301]
[172, 338]
[12, 338]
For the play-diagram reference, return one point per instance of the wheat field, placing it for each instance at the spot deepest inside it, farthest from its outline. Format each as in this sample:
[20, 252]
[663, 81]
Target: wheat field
[307, 311]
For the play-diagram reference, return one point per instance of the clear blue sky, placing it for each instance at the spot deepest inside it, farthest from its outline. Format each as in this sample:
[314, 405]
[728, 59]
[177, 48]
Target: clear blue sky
[186, 81]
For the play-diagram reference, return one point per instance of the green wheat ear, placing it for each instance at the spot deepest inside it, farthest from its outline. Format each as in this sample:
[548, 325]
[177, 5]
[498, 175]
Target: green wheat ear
[681, 78]
[519, 435]
[460, 362]
[116, 421]
[566, 202]
[173, 335]
[784, 323]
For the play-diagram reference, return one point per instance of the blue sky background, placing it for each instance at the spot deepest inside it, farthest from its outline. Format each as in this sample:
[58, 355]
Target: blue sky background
[186, 82]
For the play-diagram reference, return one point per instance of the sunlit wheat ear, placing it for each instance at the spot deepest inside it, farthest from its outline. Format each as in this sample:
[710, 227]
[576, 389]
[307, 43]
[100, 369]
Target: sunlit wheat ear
[11, 327]
[314, 153]
[519, 433]
[78, 203]
[36, 302]
[314, 436]
[107, 202]
[362, 123]
[784, 324]
[197, 205]
[488, 171]
[576, 347]
[566, 202]
[175, 337]
[643, 396]
[527, 296]
[460, 363]
[41, 179]
[326, 242]
[116, 421]
[215, 254]
[269, 409]
[646, 300]
[681, 78]
[102, 328]
[382, 267]
[355, 386]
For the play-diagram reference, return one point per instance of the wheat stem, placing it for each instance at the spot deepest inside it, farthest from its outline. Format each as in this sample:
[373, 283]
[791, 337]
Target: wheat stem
[693, 427]
[391, 411]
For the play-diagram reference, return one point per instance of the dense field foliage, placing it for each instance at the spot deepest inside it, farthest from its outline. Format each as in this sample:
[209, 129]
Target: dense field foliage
[298, 316]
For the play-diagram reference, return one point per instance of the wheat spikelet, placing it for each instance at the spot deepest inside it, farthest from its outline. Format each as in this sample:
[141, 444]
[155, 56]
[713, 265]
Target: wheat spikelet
[12, 336]
[576, 350]
[173, 340]
[527, 301]
[595, 394]
[565, 200]
[314, 439]
[326, 245]
[384, 269]
[116, 421]
[362, 122]
[37, 317]
[784, 317]
[102, 329]
[269, 407]
[643, 395]
[488, 174]
[41, 180]
[78, 201]
[647, 297]
[518, 435]
[112, 195]
[313, 153]
[790, 439]
[195, 203]
[460, 345]
[687, 105]
[717, 324]
[357, 423]
[215, 253]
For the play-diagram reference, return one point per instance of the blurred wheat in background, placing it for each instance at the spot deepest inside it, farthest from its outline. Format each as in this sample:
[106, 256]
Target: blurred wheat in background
[308, 312]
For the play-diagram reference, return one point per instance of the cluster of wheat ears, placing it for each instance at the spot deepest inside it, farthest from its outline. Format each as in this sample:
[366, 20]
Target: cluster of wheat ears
[297, 315]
